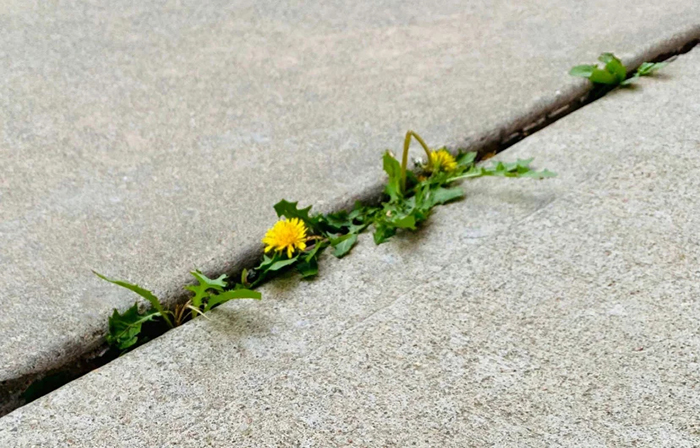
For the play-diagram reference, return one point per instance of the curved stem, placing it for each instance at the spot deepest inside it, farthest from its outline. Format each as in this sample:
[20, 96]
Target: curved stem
[404, 158]
[314, 237]
[422, 143]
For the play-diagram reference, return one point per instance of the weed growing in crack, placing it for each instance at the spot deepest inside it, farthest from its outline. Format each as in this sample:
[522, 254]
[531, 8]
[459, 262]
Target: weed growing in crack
[614, 72]
[297, 240]
[125, 328]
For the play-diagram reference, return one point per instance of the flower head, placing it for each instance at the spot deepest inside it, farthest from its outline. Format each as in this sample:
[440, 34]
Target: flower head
[442, 160]
[286, 235]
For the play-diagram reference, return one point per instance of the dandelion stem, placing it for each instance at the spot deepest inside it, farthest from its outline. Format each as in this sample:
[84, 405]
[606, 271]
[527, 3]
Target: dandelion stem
[404, 158]
[314, 237]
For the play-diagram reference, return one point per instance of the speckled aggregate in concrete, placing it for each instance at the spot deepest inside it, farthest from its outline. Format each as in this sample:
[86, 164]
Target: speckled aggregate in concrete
[146, 139]
[534, 313]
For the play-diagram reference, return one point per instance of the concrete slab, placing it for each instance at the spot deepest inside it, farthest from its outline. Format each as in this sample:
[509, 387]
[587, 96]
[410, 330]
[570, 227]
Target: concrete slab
[144, 140]
[532, 313]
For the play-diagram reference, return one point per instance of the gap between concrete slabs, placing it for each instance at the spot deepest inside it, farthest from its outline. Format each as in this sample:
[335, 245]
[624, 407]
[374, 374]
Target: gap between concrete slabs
[67, 357]
[547, 313]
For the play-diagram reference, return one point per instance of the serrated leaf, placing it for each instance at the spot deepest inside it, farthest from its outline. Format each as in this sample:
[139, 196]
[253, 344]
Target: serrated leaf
[544, 174]
[290, 210]
[125, 328]
[583, 71]
[496, 169]
[361, 217]
[343, 244]
[241, 293]
[205, 284]
[524, 163]
[146, 294]
[337, 221]
[520, 168]
[344, 222]
[218, 283]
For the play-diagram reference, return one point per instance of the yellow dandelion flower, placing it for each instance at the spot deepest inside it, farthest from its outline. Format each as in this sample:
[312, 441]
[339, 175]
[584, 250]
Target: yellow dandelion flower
[286, 235]
[442, 160]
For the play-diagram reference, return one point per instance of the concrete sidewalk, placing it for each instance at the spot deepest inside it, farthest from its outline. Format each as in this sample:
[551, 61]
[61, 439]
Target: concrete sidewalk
[534, 313]
[147, 140]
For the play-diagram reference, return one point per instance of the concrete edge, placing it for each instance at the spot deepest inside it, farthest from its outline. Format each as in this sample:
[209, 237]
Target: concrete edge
[87, 354]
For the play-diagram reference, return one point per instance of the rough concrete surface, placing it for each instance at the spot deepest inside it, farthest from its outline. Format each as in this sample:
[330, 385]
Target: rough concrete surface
[147, 139]
[533, 313]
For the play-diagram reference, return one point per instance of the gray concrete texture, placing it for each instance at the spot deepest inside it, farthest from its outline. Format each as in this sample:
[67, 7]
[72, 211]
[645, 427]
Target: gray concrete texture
[146, 139]
[533, 313]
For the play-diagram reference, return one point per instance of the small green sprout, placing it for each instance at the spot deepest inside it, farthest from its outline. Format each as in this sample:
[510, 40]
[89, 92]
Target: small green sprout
[614, 72]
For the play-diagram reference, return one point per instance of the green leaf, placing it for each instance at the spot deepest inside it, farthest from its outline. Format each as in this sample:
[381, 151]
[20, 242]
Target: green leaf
[125, 328]
[614, 66]
[277, 265]
[270, 265]
[644, 68]
[630, 80]
[290, 210]
[343, 244]
[336, 222]
[583, 71]
[443, 195]
[358, 210]
[648, 68]
[404, 222]
[344, 222]
[267, 261]
[201, 290]
[524, 163]
[603, 77]
[544, 174]
[308, 269]
[316, 251]
[308, 266]
[521, 168]
[361, 217]
[466, 159]
[393, 170]
[146, 294]
[606, 57]
[241, 293]
[496, 169]
[383, 233]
